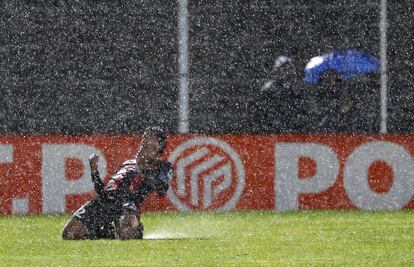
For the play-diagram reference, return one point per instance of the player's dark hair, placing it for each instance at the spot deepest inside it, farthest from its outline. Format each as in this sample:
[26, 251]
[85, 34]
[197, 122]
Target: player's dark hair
[160, 135]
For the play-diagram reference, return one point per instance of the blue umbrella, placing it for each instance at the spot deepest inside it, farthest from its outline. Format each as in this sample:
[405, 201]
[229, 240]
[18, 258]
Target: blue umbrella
[348, 63]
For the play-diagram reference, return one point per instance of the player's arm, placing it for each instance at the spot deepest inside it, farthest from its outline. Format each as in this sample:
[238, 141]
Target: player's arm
[96, 180]
[159, 182]
[162, 181]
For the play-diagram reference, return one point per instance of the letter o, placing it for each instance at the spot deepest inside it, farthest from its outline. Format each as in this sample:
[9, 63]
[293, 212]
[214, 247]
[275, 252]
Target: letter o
[356, 176]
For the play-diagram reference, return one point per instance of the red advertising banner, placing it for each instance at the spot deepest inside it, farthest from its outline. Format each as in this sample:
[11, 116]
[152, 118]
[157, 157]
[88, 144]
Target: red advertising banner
[50, 174]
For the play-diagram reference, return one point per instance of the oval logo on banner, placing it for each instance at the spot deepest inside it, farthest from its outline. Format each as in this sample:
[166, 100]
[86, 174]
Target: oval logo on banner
[208, 175]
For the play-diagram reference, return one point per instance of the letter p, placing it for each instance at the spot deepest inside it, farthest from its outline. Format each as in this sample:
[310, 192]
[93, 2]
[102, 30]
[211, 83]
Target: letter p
[55, 186]
[288, 185]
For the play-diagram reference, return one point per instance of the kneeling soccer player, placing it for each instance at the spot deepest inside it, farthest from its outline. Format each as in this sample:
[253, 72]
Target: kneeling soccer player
[115, 211]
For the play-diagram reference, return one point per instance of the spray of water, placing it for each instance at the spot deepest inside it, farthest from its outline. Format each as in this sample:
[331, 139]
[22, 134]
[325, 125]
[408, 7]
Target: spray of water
[171, 235]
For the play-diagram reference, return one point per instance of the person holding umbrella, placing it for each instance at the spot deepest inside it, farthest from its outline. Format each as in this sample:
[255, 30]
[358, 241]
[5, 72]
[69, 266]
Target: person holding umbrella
[334, 77]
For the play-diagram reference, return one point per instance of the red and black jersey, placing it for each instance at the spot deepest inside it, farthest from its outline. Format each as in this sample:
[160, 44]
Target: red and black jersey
[131, 183]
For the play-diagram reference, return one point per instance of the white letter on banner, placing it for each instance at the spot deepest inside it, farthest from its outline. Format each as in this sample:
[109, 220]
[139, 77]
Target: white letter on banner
[288, 186]
[55, 186]
[356, 176]
[6, 153]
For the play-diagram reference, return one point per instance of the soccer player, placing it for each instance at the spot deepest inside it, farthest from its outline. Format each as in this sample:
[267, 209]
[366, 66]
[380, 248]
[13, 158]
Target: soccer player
[115, 211]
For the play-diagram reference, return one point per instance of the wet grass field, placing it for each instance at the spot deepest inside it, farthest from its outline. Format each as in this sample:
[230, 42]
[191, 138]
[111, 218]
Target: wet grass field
[221, 239]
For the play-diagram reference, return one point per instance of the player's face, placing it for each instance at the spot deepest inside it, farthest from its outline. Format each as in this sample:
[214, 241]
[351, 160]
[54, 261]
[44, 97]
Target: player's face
[149, 148]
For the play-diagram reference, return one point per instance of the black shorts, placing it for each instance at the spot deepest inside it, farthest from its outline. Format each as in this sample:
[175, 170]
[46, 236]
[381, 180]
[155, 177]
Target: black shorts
[101, 217]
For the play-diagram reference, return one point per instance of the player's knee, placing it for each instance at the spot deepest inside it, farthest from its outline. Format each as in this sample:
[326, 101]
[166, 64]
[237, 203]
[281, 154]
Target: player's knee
[127, 233]
[73, 230]
[129, 221]
[67, 234]
[128, 227]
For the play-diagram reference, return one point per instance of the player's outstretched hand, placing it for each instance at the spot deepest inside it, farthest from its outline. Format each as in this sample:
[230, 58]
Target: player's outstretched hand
[93, 161]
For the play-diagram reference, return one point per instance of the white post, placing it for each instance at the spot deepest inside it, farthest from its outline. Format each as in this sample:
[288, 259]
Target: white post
[183, 94]
[383, 55]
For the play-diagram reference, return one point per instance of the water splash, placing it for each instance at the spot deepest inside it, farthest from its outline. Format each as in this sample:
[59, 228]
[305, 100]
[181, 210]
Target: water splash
[166, 235]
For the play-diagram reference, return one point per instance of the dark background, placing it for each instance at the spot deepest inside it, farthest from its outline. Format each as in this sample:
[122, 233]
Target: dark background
[81, 67]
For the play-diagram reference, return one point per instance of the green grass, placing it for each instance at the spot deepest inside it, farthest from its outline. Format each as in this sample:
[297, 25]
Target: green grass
[212, 239]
